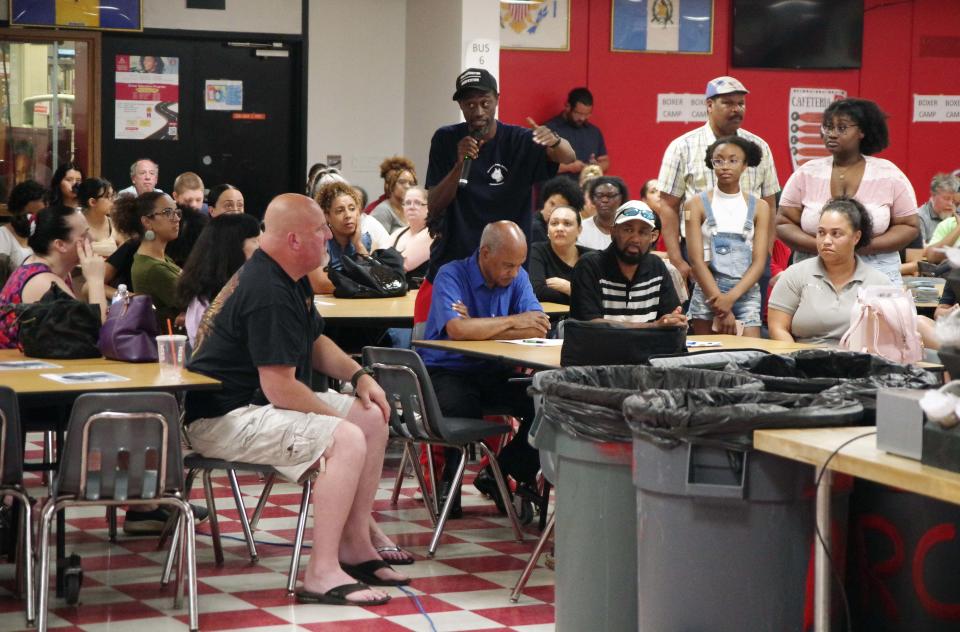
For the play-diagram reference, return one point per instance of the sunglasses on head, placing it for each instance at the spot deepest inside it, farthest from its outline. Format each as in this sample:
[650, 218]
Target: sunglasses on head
[636, 212]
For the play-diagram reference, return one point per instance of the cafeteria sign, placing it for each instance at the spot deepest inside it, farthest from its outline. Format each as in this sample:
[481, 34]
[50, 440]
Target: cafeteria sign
[804, 119]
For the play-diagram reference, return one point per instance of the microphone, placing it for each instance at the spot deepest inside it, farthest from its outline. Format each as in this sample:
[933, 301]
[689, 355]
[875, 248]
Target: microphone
[477, 134]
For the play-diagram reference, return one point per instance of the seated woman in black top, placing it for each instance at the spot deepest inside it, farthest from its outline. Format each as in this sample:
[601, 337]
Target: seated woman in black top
[552, 261]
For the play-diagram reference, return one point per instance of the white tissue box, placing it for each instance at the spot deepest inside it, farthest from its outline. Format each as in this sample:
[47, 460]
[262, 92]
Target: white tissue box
[900, 422]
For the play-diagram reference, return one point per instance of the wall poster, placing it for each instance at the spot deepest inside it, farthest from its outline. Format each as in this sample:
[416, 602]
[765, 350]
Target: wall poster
[543, 26]
[147, 96]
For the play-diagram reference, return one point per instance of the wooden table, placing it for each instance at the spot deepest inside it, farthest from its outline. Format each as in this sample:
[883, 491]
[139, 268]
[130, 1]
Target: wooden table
[367, 312]
[32, 388]
[386, 312]
[543, 357]
[141, 377]
[859, 458]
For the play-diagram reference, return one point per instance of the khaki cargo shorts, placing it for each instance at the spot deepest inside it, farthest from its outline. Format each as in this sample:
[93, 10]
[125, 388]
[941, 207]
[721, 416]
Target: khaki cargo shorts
[290, 441]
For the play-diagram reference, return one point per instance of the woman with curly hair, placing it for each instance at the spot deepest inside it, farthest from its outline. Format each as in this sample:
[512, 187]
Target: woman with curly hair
[398, 175]
[852, 131]
[341, 205]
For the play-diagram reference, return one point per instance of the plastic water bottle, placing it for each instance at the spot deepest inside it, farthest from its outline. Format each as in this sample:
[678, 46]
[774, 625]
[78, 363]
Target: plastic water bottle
[121, 294]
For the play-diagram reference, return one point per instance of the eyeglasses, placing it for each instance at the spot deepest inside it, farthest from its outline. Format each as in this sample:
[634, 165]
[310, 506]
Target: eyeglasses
[168, 213]
[839, 129]
[146, 173]
[633, 211]
[414, 203]
[719, 162]
[600, 195]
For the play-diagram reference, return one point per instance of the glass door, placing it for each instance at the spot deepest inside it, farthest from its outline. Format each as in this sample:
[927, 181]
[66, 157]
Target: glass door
[47, 82]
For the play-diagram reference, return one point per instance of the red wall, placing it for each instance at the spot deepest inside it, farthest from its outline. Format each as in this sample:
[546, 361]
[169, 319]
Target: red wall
[625, 86]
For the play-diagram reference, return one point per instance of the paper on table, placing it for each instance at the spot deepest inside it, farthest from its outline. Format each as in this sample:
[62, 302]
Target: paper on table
[536, 342]
[703, 343]
[319, 302]
[85, 377]
[27, 365]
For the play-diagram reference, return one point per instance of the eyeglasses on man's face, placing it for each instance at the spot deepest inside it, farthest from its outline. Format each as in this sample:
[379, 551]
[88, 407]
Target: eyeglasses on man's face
[168, 213]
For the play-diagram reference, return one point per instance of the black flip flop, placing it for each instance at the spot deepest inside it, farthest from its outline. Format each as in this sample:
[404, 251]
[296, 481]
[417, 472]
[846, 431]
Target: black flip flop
[366, 572]
[396, 549]
[338, 596]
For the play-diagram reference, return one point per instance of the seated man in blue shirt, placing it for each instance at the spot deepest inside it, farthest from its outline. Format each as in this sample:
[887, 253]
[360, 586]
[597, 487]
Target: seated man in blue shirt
[486, 296]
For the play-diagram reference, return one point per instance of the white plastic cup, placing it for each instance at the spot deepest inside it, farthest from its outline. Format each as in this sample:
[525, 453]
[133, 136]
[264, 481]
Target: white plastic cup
[171, 353]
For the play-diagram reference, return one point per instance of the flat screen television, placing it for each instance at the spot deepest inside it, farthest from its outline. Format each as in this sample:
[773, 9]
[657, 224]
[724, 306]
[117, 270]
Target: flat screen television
[797, 33]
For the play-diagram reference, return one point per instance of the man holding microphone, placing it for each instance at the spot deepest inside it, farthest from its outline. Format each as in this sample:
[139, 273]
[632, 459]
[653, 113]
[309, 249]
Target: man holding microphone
[482, 171]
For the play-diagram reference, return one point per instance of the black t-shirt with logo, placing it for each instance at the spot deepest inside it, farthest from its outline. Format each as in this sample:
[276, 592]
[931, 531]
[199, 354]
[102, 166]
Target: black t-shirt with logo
[500, 184]
[262, 317]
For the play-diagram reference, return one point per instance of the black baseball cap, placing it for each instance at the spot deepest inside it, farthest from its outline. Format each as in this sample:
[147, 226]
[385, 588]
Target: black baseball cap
[474, 79]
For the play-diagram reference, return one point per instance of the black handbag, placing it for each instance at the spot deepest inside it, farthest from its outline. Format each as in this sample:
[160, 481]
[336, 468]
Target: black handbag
[377, 275]
[59, 327]
[589, 343]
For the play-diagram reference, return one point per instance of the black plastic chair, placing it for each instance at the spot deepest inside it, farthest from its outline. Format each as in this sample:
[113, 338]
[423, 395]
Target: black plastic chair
[122, 449]
[413, 403]
[11, 484]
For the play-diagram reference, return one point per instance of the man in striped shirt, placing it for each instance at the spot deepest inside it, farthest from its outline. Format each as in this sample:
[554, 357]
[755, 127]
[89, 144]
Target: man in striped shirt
[625, 283]
[684, 172]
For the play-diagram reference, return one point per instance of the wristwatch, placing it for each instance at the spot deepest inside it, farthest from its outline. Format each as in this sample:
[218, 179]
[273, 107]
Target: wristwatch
[364, 370]
[559, 140]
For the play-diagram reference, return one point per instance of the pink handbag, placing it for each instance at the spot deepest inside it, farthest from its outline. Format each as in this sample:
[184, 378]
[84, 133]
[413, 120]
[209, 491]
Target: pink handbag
[883, 322]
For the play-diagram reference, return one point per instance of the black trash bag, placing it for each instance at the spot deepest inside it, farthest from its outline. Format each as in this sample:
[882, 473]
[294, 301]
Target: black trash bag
[849, 373]
[587, 402]
[726, 418]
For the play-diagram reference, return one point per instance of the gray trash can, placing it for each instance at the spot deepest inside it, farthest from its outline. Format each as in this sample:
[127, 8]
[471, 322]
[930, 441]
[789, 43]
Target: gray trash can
[724, 533]
[586, 444]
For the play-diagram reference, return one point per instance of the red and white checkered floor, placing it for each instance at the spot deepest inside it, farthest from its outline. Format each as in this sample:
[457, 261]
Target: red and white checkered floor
[465, 587]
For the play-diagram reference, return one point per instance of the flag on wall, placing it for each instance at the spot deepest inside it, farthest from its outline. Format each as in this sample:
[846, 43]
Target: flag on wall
[677, 26]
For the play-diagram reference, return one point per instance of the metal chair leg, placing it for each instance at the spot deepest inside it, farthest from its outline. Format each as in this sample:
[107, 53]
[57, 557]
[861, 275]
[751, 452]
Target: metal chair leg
[428, 497]
[264, 496]
[247, 533]
[534, 558]
[454, 488]
[189, 540]
[43, 574]
[169, 527]
[298, 540]
[504, 492]
[434, 496]
[112, 523]
[49, 458]
[401, 473]
[170, 559]
[177, 547]
[214, 520]
[25, 563]
[545, 504]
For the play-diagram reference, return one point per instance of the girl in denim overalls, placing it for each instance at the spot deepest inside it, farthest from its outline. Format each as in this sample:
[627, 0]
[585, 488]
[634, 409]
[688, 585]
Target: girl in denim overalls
[727, 233]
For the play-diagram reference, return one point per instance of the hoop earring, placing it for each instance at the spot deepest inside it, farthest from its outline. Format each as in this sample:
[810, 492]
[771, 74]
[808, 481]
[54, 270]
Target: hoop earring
[149, 235]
